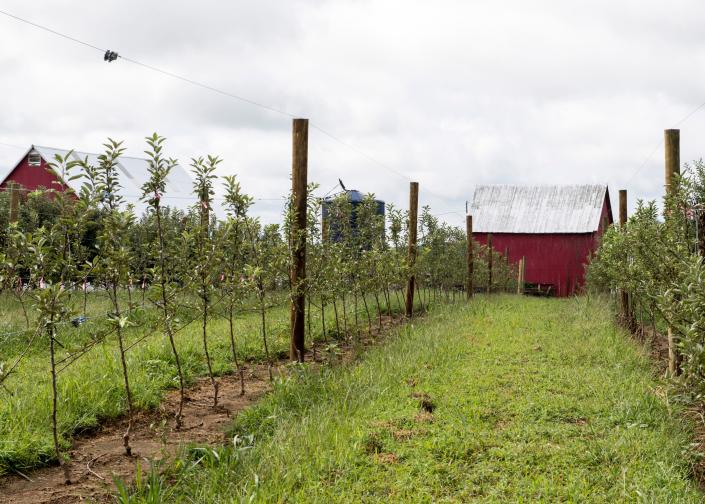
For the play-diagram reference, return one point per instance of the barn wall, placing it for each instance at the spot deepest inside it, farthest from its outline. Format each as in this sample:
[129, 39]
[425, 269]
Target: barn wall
[556, 259]
[33, 177]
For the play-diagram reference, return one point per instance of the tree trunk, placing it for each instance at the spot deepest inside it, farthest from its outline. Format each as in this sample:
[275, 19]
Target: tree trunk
[238, 368]
[55, 428]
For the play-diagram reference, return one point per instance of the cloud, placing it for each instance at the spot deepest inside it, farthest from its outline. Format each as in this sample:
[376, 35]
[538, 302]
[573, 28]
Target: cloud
[452, 93]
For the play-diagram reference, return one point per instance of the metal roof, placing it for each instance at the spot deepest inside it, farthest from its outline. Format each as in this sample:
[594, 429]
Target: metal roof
[132, 174]
[537, 209]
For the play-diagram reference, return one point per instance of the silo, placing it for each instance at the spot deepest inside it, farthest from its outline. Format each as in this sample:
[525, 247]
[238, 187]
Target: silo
[330, 224]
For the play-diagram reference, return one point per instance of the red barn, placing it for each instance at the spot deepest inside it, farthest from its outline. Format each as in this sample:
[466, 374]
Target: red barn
[556, 228]
[32, 172]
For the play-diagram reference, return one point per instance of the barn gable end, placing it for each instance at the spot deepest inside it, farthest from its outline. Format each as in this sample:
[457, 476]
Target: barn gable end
[132, 174]
[33, 176]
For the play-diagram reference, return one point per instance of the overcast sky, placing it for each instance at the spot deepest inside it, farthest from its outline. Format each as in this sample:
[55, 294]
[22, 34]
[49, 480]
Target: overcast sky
[450, 93]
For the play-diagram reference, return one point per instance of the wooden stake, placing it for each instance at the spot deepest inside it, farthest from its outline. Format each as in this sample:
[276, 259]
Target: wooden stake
[299, 187]
[489, 263]
[468, 283]
[520, 272]
[672, 165]
[413, 220]
[14, 203]
[523, 274]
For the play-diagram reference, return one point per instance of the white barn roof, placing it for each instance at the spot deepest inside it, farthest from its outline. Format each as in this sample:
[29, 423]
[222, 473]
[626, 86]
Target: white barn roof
[133, 173]
[537, 209]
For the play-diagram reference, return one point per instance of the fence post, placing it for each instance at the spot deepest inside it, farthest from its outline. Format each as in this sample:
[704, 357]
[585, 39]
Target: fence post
[299, 187]
[672, 165]
[489, 263]
[468, 230]
[413, 221]
[14, 203]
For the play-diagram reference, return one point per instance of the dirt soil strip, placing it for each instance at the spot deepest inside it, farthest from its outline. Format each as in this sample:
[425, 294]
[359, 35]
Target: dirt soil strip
[101, 454]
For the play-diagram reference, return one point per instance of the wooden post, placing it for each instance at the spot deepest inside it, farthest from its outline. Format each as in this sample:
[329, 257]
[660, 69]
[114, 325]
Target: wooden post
[299, 187]
[413, 221]
[505, 287]
[672, 165]
[14, 203]
[520, 272]
[468, 230]
[523, 274]
[622, 208]
[673, 156]
[489, 263]
[625, 305]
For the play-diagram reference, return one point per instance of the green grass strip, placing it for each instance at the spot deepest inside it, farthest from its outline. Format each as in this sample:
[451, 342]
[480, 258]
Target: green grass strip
[534, 400]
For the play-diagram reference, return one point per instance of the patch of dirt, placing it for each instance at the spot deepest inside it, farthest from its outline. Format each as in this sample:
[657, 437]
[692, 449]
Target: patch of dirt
[502, 424]
[424, 417]
[402, 434]
[425, 401]
[387, 458]
[99, 457]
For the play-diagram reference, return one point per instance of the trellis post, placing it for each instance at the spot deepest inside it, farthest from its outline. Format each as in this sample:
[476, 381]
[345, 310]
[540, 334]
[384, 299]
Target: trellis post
[299, 188]
[413, 222]
[672, 165]
[468, 283]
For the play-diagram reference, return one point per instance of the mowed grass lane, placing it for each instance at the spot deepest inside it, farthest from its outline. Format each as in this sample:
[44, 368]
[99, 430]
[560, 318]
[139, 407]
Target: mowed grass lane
[503, 399]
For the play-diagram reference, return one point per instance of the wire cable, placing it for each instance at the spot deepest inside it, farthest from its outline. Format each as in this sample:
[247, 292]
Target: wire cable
[63, 35]
[680, 122]
[214, 89]
[209, 88]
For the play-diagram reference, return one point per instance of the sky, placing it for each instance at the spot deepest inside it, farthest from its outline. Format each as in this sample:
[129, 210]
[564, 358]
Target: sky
[449, 93]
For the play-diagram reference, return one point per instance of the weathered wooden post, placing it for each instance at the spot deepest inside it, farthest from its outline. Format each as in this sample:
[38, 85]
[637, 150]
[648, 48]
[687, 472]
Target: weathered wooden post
[299, 187]
[14, 203]
[489, 263]
[625, 304]
[672, 165]
[505, 288]
[413, 221]
[468, 283]
[520, 276]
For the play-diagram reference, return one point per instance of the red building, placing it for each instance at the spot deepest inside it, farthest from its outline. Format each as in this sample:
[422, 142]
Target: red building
[555, 228]
[32, 171]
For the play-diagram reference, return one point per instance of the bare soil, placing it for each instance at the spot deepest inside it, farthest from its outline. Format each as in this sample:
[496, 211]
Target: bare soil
[99, 457]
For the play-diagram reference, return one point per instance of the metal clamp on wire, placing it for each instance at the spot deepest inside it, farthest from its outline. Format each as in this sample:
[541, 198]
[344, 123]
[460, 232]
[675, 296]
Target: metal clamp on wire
[110, 56]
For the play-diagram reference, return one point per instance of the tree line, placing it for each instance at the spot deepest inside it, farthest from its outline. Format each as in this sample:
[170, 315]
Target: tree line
[66, 244]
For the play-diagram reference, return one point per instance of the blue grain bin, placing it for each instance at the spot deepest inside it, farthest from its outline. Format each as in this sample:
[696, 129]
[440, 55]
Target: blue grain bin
[356, 197]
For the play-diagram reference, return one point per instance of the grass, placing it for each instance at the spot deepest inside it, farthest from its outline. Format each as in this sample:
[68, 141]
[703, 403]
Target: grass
[533, 400]
[91, 389]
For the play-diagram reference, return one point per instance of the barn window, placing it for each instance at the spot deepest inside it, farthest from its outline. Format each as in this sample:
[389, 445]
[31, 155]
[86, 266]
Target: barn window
[34, 159]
